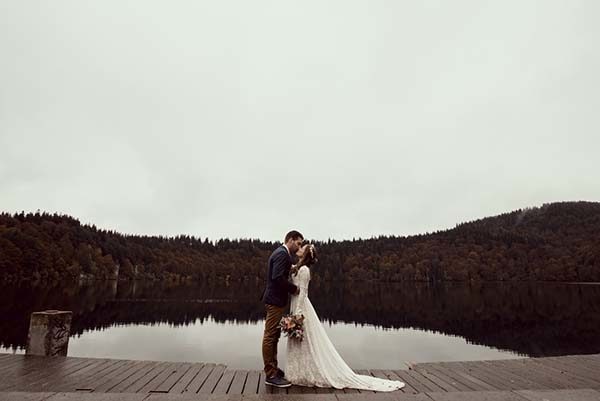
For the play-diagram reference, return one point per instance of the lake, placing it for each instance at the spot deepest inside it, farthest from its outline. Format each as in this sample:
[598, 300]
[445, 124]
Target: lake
[373, 325]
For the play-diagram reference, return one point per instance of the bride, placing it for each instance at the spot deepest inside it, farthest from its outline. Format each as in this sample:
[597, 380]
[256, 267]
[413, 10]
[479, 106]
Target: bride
[314, 361]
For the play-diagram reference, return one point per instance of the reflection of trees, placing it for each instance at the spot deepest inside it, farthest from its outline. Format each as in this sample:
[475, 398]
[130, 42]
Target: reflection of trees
[533, 319]
[18, 302]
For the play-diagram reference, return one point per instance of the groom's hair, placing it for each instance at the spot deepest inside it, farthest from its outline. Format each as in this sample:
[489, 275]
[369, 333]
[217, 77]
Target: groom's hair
[292, 235]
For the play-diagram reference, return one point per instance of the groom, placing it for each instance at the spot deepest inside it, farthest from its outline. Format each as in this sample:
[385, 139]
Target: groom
[276, 299]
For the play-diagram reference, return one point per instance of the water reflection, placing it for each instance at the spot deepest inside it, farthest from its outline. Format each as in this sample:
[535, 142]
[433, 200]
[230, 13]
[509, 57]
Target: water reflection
[399, 322]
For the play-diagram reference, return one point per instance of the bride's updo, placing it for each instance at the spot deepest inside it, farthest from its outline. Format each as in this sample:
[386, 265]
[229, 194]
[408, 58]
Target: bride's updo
[308, 258]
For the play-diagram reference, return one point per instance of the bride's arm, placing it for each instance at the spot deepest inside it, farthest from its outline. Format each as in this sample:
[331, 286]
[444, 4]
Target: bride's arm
[303, 280]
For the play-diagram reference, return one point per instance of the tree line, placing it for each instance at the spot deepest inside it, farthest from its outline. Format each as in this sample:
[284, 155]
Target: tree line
[554, 242]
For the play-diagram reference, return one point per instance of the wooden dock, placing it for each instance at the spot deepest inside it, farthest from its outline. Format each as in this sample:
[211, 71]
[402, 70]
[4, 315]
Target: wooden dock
[40, 378]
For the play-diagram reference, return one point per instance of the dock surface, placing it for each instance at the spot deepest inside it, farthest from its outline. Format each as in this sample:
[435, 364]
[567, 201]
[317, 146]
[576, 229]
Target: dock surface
[574, 378]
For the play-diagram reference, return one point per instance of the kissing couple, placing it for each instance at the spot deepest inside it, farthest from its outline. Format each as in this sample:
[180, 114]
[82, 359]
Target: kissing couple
[313, 361]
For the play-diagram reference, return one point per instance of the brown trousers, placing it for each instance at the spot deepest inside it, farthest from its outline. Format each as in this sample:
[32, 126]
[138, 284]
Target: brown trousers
[271, 338]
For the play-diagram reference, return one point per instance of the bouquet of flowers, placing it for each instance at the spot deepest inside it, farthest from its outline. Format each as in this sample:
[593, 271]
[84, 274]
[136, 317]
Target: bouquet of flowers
[293, 326]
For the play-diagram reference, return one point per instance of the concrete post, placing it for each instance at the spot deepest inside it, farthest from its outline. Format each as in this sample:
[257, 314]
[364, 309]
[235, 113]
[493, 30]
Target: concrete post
[49, 333]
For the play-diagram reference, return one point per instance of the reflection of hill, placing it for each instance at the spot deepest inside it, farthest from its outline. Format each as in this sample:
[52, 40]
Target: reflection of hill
[533, 319]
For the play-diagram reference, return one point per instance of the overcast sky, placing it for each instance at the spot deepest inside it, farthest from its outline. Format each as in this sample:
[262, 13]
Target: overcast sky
[338, 118]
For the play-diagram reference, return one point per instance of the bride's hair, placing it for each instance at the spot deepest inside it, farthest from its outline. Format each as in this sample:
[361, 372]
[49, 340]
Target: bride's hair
[308, 259]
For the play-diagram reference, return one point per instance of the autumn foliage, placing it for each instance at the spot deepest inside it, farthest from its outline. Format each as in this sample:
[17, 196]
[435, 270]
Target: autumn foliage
[554, 242]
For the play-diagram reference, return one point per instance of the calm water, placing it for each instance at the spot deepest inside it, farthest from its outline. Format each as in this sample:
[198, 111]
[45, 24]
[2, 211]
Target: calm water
[372, 325]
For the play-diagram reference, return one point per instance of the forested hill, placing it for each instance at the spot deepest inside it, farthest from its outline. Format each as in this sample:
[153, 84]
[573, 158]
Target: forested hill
[555, 242]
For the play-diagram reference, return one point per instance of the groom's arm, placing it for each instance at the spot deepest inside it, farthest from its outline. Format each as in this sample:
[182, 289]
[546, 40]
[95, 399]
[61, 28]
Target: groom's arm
[280, 266]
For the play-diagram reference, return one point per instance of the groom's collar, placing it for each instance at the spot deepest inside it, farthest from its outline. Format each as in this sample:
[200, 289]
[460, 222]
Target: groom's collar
[286, 248]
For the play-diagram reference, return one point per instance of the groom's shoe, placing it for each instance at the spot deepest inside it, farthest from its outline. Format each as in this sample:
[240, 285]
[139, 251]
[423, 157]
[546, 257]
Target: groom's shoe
[277, 381]
[280, 373]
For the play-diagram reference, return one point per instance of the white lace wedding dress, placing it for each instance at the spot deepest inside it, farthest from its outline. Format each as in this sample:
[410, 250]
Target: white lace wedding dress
[314, 361]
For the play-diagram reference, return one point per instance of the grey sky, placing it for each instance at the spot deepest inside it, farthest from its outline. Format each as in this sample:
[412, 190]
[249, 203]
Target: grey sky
[340, 118]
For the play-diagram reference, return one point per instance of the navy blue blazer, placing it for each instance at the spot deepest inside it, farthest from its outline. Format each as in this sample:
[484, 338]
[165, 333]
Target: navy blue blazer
[278, 286]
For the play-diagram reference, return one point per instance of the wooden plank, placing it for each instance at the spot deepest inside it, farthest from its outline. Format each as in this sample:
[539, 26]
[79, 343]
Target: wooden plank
[186, 379]
[91, 382]
[490, 379]
[496, 376]
[30, 371]
[594, 359]
[199, 379]
[441, 380]
[591, 377]
[83, 396]
[574, 366]
[519, 371]
[506, 380]
[119, 375]
[578, 362]
[560, 395]
[79, 379]
[160, 378]
[9, 364]
[430, 385]
[573, 379]
[262, 387]
[68, 382]
[139, 386]
[22, 396]
[527, 378]
[50, 376]
[53, 374]
[142, 370]
[251, 385]
[180, 371]
[474, 383]
[212, 380]
[239, 380]
[223, 384]
[18, 367]
[477, 396]
[433, 382]
[409, 380]
[438, 372]
[573, 361]
[538, 374]
[32, 380]
[4, 358]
